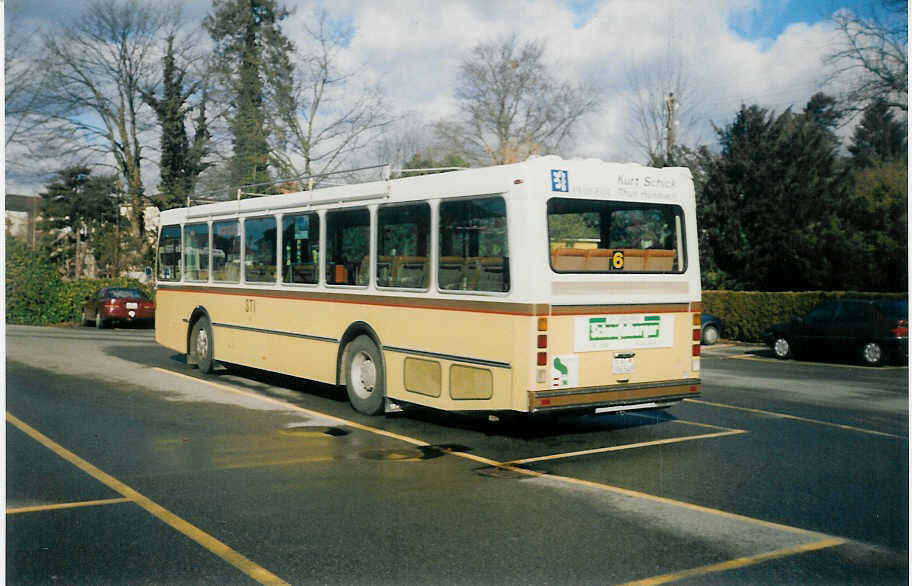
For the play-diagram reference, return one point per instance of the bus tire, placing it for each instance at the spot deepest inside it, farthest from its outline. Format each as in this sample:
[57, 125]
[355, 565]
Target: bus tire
[365, 379]
[201, 345]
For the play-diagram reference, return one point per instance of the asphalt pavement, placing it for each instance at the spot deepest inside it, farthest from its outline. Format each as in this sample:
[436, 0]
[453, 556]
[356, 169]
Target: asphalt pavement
[124, 466]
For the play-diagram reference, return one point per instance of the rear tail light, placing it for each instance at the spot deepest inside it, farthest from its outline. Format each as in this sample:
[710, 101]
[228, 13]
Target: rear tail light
[696, 350]
[901, 330]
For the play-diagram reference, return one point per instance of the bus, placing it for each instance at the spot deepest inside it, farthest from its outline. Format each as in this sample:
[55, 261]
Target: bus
[541, 286]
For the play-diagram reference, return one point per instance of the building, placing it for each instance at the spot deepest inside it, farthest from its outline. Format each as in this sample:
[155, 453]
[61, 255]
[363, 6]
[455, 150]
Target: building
[22, 216]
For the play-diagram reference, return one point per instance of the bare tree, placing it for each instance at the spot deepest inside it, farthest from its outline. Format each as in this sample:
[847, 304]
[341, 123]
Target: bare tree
[511, 105]
[662, 114]
[97, 68]
[873, 58]
[327, 116]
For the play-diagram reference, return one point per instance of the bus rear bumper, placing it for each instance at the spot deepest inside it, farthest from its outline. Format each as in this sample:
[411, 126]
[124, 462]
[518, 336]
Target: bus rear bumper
[615, 397]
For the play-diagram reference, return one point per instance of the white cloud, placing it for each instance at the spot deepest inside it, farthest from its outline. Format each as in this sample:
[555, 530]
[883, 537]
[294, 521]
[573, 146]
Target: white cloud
[414, 48]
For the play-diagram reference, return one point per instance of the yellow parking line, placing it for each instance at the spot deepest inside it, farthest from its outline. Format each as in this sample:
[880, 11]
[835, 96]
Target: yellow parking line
[737, 563]
[797, 418]
[627, 447]
[234, 558]
[59, 506]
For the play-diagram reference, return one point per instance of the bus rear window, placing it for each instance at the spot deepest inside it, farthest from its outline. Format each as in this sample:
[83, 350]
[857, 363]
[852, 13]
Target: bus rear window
[594, 236]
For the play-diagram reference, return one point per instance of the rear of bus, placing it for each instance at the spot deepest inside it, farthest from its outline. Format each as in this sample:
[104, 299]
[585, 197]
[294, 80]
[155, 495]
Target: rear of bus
[623, 329]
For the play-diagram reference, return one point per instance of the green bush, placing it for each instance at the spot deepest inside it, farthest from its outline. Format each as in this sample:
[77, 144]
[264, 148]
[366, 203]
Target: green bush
[37, 295]
[746, 314]
[32, 285]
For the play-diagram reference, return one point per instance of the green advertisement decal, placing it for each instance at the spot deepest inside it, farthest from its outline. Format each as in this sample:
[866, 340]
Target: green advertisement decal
[622, 331]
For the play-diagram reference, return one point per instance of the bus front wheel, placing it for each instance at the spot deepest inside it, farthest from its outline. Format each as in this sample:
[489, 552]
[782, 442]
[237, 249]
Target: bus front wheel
[201, 345]
[365, 380]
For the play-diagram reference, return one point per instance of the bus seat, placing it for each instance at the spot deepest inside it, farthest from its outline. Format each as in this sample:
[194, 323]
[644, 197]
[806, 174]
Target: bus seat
[486, 273]
[599, 259]
[451, 272]
[305, 273]
[386, 271]
[410, 271]
[341, 274]
[659, 259]
[363, 275]
[569, 259]
[634, 259]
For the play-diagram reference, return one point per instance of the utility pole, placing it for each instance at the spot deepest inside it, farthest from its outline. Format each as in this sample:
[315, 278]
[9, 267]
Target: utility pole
[669, 125]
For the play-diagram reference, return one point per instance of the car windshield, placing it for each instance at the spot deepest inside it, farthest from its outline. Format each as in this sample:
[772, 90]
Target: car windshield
[126, 294]
[894, 309]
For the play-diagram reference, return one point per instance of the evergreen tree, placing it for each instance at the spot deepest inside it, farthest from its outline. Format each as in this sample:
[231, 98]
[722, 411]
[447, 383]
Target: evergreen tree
[252, 55]
[878, 137]
[823, 110]
[181, 160]
[773, 194]
[76, 208]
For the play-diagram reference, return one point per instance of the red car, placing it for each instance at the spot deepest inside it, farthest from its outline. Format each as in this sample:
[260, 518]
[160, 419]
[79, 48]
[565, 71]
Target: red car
[118, 304]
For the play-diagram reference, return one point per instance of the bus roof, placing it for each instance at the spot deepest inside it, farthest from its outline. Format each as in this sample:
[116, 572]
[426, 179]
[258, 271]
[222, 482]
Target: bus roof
[570, 177]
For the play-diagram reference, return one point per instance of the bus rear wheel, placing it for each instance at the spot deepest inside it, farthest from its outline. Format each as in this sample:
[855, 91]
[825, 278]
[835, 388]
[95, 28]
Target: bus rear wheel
[365, 379]
[201, 345]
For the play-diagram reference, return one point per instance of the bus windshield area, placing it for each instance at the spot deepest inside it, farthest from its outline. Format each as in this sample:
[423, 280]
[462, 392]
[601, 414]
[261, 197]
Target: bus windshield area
[597, 236]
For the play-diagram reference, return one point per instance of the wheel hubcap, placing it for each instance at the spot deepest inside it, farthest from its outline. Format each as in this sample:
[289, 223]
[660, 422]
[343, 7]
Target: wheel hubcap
[202, 343]
[872, 353]
[781, 347]
[711, 335]
[363, 375]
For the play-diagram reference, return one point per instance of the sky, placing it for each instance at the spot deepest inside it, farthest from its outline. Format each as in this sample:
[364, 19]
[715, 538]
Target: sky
[728, 52]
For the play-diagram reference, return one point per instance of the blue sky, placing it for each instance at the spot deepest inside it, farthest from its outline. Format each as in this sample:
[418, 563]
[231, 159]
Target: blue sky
[771, 17]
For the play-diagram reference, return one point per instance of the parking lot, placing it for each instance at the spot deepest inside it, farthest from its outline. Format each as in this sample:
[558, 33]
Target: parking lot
[123, 466]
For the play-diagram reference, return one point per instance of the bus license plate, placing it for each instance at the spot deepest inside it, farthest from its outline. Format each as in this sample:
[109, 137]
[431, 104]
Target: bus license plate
[622, 365]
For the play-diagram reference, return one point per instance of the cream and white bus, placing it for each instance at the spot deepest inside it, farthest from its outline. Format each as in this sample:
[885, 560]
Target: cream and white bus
[540, 286]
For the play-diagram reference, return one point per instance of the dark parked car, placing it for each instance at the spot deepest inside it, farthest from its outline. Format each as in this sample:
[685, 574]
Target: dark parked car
[118, 304]
[710, 329]
[872, 330]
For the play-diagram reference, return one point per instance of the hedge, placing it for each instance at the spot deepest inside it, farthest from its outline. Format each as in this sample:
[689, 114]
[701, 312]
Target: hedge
[36, 294]
[746, 314]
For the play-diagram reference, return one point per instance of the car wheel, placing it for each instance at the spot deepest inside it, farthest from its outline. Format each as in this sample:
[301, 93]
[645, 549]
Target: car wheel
[710, 335]
[782, 348]
[364, 376]
[872, 354]
[100, 323]
[201, 345]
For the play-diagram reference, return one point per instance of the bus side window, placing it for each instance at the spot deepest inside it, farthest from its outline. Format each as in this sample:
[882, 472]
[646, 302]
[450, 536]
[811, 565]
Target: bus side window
[226, 251]
[169, 254]
[347, 247]
[300, 248]
[403, 235]
[196, 252]
[474, 255]
[260, 250]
